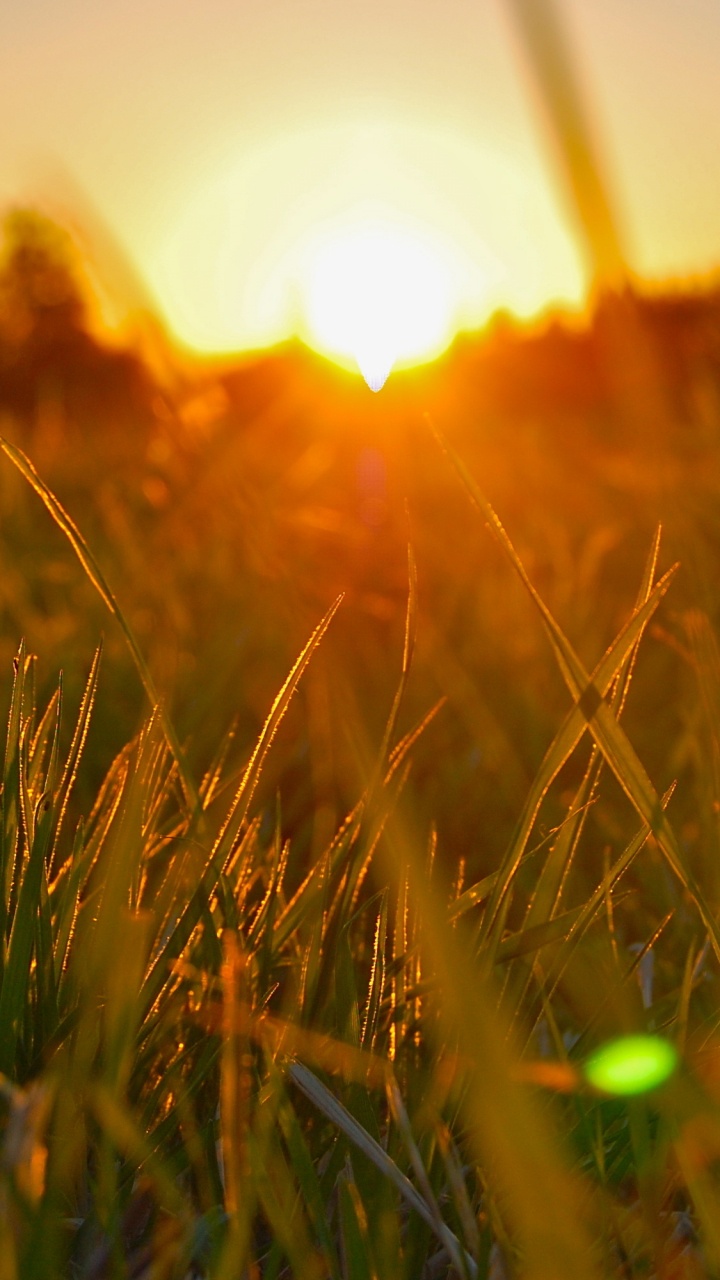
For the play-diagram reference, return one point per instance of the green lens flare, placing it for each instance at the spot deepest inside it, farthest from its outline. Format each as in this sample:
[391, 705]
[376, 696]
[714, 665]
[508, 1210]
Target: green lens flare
[632, 1064]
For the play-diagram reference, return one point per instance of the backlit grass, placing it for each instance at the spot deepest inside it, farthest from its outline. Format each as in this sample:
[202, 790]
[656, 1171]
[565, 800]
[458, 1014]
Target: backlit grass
[291, 998]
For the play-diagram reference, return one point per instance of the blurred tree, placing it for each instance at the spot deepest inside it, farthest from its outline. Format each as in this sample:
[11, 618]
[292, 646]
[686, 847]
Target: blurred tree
[40, 297]
[43, 331]
[63, 387]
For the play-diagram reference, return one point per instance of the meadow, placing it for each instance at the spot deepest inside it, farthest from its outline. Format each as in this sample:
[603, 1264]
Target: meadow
[379, 789]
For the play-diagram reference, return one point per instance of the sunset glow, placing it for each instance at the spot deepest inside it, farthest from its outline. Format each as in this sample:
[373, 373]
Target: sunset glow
[377, 293]
[336, 233]
[339, 935]
[214, 158]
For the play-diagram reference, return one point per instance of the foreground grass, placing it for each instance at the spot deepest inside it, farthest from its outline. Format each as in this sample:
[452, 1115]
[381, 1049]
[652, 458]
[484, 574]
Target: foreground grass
[219, 1060]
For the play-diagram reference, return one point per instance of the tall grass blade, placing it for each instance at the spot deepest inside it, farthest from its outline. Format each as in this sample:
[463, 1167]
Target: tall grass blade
[354, 1241]
[32, 907]
[89, 563]
[327, 1103]
[545, 42]
[215, 863]
[238, 810]
[10, 816]
[545, 899]
[606, 731]
[560, 750]
[507, 1129]
[76, 749]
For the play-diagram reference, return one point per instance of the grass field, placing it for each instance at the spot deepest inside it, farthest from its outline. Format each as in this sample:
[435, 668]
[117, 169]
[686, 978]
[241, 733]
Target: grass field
[370, 823]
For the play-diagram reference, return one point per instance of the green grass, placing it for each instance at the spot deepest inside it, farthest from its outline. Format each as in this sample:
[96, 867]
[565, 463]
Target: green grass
[241, 1036]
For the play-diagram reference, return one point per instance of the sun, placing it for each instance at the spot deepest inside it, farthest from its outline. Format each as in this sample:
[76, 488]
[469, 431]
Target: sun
[376, 291]
[369, 224]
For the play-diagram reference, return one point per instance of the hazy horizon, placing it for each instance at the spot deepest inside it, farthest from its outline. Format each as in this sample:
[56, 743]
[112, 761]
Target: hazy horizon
[207, 153]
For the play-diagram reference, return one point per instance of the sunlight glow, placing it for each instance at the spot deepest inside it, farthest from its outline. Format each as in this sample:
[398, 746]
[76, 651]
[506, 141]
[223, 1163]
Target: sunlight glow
[379, 293]
[631, 1064]
[246, 258]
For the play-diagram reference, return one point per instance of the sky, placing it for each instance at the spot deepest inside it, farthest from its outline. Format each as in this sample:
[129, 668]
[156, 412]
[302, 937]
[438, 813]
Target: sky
[259, 169]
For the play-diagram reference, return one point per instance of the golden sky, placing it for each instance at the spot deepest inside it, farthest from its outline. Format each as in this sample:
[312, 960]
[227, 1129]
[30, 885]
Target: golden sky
[237, 150]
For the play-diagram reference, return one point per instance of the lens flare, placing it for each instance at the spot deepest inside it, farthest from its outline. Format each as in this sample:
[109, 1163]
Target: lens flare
[631, 1064]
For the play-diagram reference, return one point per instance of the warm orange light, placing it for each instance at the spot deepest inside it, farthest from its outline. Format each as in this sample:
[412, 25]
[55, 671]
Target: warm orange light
[377, 292]
[447, 223]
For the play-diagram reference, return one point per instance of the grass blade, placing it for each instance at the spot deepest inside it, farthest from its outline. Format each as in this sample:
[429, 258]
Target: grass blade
[325, 1101]
[89, 563]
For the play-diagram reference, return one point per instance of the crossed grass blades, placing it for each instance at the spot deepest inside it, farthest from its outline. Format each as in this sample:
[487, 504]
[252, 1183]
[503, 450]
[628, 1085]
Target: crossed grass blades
[207, 1074]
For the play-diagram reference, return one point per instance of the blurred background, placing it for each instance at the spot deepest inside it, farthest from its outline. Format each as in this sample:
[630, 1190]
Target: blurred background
[211, 141]
[170, 172]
